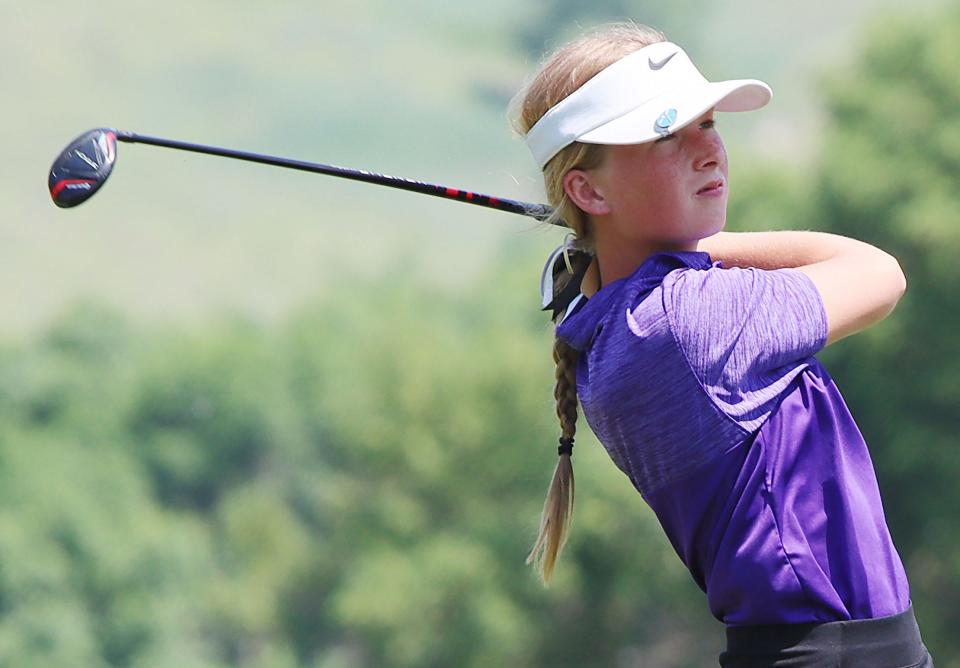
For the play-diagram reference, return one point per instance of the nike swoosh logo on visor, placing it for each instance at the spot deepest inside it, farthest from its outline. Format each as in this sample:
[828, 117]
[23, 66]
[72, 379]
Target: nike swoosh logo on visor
[657, 66]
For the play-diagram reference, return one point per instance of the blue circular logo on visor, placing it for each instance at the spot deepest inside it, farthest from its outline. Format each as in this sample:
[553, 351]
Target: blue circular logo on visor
[667, 118]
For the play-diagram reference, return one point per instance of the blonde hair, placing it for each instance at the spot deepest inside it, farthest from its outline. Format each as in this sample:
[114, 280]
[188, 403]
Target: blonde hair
[562, 73]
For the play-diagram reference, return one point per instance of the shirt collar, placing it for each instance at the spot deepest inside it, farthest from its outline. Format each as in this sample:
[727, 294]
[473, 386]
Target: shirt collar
[580, 327]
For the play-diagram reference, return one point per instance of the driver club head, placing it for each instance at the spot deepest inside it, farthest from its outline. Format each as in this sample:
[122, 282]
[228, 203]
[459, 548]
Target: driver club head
[82, 167]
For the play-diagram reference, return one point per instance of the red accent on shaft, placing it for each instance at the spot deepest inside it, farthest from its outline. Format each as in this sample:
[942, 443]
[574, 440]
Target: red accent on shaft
[67, 182]
[452, 192]
[469, 197]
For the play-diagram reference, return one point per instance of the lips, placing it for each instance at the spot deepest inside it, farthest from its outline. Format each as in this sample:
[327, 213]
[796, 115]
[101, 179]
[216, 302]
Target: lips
[713, 187]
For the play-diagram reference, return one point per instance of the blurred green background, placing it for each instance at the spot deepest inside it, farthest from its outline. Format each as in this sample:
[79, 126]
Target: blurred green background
[252, 417]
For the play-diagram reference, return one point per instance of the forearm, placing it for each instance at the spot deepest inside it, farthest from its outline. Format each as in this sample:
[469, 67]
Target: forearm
[781, 249]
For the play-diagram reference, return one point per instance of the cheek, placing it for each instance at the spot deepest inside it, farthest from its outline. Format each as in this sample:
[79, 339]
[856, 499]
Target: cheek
[663, 186]
[722, 154]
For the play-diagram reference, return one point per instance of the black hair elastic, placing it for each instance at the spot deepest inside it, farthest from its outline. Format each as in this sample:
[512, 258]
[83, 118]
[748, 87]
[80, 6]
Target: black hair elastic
[566, 446]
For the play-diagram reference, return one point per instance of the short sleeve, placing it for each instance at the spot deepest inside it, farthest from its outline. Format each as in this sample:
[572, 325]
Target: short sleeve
[745, 332]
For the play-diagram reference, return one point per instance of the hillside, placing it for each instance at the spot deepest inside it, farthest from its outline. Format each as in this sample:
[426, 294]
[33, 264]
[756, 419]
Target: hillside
[415, 89]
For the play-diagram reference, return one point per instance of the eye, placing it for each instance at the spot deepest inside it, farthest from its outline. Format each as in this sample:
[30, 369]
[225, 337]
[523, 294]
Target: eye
[708, 124]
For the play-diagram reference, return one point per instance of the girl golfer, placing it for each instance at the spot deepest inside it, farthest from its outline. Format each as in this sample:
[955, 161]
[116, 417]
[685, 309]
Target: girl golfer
[691, 351]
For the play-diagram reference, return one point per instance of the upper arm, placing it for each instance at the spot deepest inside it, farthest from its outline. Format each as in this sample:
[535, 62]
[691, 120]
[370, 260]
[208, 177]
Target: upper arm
[857, 289]
[746, 334]
[734, 323]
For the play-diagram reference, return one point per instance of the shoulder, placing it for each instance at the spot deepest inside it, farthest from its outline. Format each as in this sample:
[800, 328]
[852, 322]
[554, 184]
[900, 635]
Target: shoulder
[740, 293]
[738, 321]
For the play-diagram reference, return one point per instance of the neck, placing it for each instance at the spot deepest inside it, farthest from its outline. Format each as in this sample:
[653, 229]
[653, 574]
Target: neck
[618, 258]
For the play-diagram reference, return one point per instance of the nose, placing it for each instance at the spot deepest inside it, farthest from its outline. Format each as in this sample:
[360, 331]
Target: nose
[710, 152]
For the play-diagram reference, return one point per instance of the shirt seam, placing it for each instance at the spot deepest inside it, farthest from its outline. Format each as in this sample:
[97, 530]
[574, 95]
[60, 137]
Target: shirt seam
[824, 333]
[686, 359]
[728, 448]
[812, 601]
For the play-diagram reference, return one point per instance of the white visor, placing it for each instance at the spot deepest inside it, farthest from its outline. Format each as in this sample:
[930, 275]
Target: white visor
[646, 95]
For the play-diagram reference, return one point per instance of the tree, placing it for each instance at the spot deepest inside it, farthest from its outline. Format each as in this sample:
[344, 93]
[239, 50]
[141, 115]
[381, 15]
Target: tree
[888, 175]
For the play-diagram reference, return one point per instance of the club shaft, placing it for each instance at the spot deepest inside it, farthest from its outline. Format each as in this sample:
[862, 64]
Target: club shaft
[538, 211]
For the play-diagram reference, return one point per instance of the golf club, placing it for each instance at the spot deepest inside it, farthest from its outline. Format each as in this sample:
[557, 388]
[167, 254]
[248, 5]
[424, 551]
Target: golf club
[83, 167]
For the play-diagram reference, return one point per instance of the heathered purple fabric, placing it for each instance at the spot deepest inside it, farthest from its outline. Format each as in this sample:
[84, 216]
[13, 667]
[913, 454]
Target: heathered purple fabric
[701, 385]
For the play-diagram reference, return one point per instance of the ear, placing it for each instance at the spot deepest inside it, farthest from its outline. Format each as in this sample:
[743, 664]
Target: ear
[579, 188]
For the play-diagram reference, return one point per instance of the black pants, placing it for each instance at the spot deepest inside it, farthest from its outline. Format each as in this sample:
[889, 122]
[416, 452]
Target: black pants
[887, 642]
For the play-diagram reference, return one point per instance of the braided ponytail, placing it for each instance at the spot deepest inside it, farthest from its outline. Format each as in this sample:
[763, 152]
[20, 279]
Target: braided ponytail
[564, 72]
[558, 507]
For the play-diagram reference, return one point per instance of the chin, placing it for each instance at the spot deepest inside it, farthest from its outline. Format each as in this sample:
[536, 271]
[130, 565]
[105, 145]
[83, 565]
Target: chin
[714, 227]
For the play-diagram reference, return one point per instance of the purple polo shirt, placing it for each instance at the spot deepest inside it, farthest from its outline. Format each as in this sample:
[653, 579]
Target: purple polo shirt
[701, 384]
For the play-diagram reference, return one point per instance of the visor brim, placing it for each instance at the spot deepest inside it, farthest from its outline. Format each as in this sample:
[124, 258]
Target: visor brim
[640, 125]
